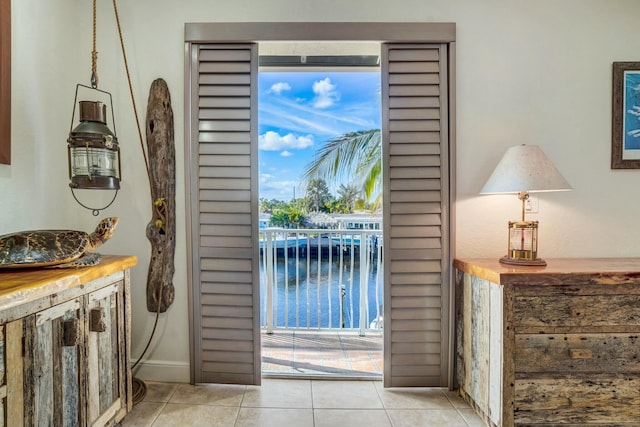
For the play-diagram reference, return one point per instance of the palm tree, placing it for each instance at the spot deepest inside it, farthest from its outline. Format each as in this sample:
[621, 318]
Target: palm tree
[349, 194]
[317, 194]
[356, 156]
[287, 217]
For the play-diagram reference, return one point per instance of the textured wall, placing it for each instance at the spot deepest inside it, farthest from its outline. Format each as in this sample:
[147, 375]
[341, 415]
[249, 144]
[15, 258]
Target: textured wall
[527, 72]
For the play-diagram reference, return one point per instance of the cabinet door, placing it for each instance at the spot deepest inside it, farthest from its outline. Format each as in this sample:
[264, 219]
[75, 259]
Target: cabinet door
[43, 362]
[106, 363]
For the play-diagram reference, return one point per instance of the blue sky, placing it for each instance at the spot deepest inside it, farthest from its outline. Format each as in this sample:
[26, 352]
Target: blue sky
[299, 112]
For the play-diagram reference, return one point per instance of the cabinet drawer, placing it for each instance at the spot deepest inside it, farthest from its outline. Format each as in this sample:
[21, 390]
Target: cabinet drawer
[573, 401]
[561, 353]
[573, 311]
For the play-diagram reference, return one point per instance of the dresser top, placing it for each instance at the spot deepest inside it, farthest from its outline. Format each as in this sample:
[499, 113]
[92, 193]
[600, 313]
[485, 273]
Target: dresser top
[18, 286]
[491, 269]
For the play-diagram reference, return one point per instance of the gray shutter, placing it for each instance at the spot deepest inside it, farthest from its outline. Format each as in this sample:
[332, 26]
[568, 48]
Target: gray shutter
[416, 223]
[224, 213]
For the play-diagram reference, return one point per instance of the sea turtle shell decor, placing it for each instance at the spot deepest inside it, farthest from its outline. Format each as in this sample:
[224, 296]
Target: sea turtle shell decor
[54, 248]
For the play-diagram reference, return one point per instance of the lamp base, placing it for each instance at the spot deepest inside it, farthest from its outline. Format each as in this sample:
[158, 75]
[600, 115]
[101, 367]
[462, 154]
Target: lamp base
[537, 262]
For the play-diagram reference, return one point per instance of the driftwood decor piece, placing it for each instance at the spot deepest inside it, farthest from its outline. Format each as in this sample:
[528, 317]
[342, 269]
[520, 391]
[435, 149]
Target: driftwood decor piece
[161, 231]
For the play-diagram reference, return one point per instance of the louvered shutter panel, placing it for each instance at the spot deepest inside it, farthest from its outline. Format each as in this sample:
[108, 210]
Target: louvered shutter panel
[415, 134]
[224, 214]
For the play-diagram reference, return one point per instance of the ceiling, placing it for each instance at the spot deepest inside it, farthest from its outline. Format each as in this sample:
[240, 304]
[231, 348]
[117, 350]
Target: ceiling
[312, 56]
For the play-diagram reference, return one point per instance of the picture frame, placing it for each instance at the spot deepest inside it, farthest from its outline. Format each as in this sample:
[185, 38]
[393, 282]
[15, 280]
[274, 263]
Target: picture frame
[625, 126]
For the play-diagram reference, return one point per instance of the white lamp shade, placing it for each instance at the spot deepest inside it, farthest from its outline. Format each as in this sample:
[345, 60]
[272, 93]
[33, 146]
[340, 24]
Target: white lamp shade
[525, 168]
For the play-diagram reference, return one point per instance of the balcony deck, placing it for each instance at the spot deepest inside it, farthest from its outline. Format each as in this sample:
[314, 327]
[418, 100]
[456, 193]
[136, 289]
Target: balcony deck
[322, 354]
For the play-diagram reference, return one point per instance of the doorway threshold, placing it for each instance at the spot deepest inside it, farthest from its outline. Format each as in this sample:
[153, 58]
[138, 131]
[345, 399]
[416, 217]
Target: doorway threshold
[322, 354]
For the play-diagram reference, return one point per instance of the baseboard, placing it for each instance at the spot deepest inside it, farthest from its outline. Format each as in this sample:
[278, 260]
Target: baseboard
[162, 371]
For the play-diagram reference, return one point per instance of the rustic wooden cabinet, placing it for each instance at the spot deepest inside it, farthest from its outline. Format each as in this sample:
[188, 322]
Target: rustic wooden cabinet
[557, 345]
[65, 345]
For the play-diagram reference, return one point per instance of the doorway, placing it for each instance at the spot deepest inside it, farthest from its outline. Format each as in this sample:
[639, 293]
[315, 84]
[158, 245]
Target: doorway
[221, 139]
[315, 99]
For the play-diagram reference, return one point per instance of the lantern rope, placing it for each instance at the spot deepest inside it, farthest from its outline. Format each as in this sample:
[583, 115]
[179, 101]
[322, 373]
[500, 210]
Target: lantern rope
[133, 99]
[94, 52]
[159, 206]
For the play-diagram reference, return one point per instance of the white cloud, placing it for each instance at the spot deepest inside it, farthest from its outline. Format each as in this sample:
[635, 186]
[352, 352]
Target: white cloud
[303, 118]
[271, 188]
[265, 177]
[279, 87]
[273, 141]
[326, 93]
[286, 153]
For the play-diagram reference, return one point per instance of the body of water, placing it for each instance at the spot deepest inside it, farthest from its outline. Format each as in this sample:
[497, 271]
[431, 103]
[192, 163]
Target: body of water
[309, 293]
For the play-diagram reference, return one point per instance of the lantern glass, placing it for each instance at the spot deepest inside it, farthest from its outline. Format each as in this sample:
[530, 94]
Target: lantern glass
[93, 167]
[523, 244]
[94, 156]
[90, 161]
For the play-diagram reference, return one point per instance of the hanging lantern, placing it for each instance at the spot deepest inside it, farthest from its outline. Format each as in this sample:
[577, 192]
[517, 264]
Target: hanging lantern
[92, 148]
[94, 155]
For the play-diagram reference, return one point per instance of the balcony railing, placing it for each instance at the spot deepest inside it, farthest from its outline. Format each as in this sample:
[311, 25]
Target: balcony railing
[321, 279]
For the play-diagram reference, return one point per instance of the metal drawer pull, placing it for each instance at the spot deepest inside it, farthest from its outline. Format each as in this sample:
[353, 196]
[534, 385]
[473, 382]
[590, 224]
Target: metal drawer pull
[97, 321]
[580, 353]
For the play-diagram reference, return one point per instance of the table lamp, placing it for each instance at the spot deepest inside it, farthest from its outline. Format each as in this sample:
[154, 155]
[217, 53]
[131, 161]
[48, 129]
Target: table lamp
[522, 170]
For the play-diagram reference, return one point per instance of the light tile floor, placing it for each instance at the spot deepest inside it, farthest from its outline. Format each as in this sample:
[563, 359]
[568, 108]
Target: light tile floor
[300, 403]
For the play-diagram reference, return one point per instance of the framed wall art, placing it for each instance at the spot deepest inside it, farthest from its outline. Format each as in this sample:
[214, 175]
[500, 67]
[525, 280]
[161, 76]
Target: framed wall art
[625, 126]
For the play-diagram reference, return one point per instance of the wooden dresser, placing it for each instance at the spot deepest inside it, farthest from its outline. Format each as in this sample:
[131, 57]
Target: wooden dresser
[65, 345]
[555, 345]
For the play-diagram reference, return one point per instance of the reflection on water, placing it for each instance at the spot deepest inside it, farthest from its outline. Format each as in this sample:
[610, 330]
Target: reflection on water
[308, 294]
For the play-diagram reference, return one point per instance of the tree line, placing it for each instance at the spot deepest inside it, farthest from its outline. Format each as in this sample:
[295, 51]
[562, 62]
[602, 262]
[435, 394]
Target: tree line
[318, 198]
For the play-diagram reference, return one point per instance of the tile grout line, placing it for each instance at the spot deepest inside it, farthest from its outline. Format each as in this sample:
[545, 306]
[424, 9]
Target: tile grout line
[457, 409]
[386, 410]
[153, 421]
[244, 393]
[313, 409]
[164, 405]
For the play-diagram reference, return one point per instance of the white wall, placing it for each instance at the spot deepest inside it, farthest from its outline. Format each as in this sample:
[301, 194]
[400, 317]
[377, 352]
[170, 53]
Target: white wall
[527, 72]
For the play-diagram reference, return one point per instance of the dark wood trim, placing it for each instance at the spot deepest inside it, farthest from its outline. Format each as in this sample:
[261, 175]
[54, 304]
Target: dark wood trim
[5, 82]
[617, 114]
[399, 32]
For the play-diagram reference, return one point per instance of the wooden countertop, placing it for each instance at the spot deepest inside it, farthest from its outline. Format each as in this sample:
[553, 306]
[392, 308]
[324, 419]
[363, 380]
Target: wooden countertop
[491, 269]
[19, 286]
